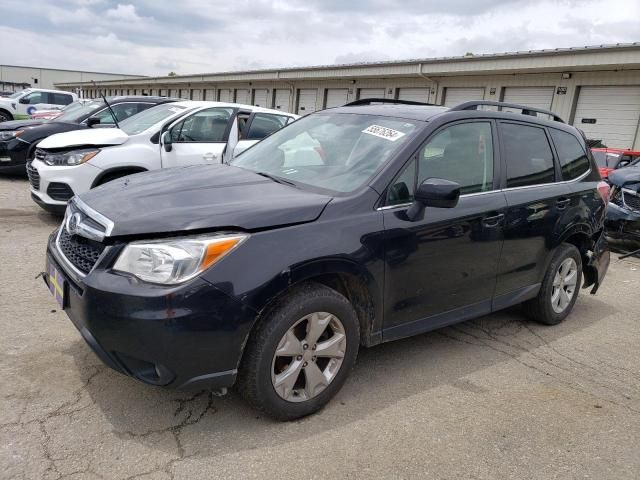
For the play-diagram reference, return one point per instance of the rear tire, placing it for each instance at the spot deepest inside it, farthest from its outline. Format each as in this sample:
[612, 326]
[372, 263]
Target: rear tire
[276, 377]
[560, 287]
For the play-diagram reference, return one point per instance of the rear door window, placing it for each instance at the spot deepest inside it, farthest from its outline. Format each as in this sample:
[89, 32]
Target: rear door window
[264, 124]
[60, 99]
[529, 159]
[573, 158]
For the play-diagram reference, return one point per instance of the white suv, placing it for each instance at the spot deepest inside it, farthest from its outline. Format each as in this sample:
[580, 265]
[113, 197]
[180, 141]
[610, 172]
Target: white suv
[169, 135]
[21, 105]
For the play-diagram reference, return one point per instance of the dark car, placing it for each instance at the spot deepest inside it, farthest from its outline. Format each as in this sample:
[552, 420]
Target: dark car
[350, 227]
[18, 138]
[623, 216]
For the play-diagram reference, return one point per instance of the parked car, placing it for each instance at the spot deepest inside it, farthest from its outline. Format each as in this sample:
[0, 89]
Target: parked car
[623, 215]
[19, 138]
[172, 135]
[610, 159]
[46, 114]
[272, 271]
[21, 105]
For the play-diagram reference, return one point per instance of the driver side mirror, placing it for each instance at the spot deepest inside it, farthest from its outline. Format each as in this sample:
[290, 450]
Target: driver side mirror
[434, 192]
[24, 100]
[92, 121]
[167, 141]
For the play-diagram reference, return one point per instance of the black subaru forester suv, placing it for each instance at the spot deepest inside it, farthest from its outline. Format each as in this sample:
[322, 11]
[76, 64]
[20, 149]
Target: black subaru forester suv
[350, 227]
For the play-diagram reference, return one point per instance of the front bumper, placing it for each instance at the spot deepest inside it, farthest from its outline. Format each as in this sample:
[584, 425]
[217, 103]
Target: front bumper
[189, 335]
[77, 179]
[622, 223]
[13, 156]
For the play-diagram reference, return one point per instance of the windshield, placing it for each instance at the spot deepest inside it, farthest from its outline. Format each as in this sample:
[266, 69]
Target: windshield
[142, 121]
[332, 151]
[76, 111]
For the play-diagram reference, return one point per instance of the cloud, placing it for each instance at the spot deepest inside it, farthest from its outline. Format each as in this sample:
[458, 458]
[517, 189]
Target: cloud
[200, 36]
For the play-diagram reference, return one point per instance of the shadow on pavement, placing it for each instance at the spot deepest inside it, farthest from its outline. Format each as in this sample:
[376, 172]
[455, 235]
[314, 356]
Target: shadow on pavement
[383, 376]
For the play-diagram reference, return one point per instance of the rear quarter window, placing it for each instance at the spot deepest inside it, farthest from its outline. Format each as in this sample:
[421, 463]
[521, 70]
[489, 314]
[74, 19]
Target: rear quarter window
[573, 158]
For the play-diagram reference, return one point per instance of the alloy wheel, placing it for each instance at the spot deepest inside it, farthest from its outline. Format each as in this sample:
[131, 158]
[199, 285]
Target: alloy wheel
[308, 357]
[564, 285]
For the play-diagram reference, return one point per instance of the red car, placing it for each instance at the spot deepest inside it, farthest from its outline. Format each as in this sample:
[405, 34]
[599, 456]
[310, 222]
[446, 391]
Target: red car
[610, 159]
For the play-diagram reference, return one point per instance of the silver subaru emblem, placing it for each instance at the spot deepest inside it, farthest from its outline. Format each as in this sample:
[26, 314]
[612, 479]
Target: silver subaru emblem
[73, 222]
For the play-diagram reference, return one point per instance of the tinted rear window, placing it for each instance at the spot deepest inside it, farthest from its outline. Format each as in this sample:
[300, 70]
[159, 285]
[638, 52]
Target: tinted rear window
[573, 158]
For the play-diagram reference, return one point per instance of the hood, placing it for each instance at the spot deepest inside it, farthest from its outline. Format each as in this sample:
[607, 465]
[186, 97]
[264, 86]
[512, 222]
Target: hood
[90, 136]
[628, 177]
[201, 197]
[18, 124]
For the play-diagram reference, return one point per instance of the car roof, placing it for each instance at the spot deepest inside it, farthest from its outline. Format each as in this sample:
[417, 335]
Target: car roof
[36, 89]
[138, 98]
[427, 112]
[616, 150]
[199, 104]
[411, 112]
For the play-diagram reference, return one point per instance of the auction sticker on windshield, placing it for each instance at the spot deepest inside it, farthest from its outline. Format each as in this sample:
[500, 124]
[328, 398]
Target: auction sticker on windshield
[383, 132]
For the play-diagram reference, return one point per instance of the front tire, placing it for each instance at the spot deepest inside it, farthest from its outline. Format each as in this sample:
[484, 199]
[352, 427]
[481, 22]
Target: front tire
[301, 353]
[5, 116]
[560, 287]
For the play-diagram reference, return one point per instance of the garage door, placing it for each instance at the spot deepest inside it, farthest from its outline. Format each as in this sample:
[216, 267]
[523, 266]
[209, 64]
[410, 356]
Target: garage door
[225, 95]
[537, 97]
[307, 100]
[196, 94]
[610, 114]
[456, 95]
[242, 96]
[414, 94]
[282, 99]
[210, 94]
[370, 93]
[260, 97]
[184, 93]
[336, 97]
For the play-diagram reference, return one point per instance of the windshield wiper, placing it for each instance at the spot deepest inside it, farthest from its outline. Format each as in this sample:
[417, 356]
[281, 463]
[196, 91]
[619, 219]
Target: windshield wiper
[277, 179]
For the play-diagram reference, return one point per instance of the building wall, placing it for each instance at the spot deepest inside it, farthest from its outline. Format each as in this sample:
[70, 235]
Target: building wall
[48, 78]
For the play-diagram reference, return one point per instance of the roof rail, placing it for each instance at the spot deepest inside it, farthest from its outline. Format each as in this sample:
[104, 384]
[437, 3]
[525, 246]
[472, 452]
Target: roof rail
[532, 111]
[369, 101]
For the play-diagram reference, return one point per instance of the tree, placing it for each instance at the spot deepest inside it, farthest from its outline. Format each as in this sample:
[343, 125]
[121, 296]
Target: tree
[173, 74]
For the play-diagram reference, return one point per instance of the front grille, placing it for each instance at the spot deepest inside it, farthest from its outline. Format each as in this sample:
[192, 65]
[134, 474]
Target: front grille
[60, 191]
[81, 252]
[34, 176]
[632, 201]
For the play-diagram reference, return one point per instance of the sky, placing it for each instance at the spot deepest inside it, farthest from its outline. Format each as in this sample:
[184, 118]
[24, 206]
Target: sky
[155, 37]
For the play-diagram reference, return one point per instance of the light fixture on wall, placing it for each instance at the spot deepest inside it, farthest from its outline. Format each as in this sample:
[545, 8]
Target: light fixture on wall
[566, 76]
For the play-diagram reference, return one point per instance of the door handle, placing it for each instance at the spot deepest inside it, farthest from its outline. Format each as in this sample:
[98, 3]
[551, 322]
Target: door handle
[563, 203]
[493, 221]
[209, 157]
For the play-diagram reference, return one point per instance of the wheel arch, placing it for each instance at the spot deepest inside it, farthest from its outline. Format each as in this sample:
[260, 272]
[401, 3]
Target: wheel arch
[110, 171]
[4, 110]
[582, 237]
[345, 276]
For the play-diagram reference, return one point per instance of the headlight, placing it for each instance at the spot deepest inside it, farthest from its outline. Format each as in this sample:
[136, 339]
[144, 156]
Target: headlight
[10, 135]
[174, 261]
[72, 158]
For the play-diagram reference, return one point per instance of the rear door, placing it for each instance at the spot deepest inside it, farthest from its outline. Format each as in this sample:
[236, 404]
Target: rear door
[199, 138]
[442, 267]
[536, 201]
